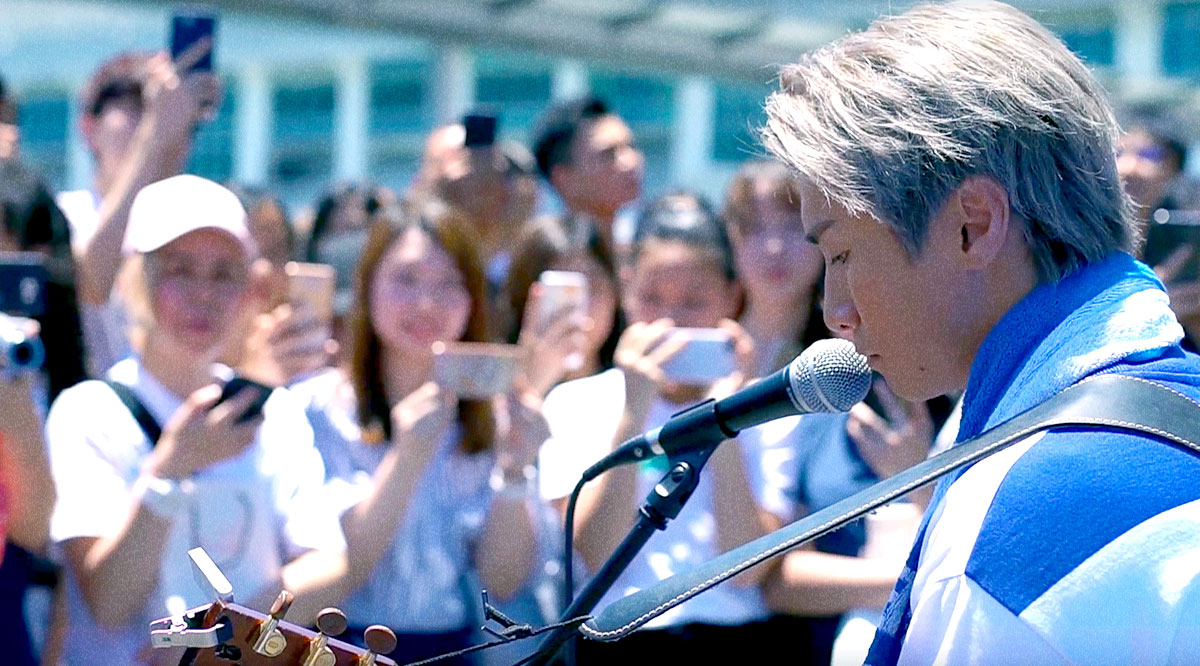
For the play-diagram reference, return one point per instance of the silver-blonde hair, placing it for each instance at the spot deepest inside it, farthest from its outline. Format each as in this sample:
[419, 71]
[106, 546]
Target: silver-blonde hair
[889, 121]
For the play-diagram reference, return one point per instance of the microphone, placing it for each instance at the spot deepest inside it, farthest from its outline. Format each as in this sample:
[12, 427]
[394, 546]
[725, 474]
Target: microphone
[828, 377]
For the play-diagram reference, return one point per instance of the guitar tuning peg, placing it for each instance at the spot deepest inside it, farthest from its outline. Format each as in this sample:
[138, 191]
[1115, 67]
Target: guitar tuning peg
[268, 640]
[331, 622]
[380, 641]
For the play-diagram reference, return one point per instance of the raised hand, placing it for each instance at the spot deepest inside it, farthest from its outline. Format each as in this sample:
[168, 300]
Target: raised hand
[202, 433]
[894, 441]
[743, 351]
[287, 343]
[421, 420]
[640, 353]
[549, 344]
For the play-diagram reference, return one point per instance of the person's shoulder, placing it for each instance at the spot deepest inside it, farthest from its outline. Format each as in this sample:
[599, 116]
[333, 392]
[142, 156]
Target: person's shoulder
[1070, 496]
[83, 403]
[321, 389]
[583, 394]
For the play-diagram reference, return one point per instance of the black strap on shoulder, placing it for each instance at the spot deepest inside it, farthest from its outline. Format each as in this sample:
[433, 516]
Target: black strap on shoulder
[140, 413]
[1105, 402]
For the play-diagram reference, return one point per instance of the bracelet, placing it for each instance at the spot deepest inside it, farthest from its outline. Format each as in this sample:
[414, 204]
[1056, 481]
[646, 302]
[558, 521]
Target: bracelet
[513, 483]
[165, 498]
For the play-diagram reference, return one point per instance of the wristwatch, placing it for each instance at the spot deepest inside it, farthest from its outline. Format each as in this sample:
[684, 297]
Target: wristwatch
[165, 498]
[513, 483]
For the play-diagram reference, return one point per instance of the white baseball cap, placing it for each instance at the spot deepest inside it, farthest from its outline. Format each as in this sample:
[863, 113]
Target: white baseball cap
[170, 208]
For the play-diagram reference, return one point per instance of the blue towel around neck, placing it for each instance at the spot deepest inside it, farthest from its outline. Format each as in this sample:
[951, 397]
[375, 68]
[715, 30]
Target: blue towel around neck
[1106, 313]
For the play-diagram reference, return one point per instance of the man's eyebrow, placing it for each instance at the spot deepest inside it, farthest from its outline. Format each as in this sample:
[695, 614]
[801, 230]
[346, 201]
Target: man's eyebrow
[818, 228]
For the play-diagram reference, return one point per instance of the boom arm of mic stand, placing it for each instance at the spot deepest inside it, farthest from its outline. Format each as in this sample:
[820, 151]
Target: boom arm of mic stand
[662, 505]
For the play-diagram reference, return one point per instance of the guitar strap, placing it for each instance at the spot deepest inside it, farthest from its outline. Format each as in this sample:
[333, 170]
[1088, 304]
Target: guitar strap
[1105, 402]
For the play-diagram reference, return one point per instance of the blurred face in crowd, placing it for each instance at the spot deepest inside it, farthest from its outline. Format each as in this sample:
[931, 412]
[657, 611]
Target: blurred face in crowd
[1146, 167]
[418, 296]
[602, 297]
[906, 314]
[774, 258]
[110, 132]
[474, 181]
[605, 170]
[350, 215]
[197, 285]
[671, 279]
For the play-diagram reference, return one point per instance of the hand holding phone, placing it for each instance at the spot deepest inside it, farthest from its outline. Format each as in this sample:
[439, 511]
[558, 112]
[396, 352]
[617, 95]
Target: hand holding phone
[1173, 245]
[475, 370]
[480, 130]
[23, 278]
[562, 294]
[314, 284]
[260, 393]
[188, 29]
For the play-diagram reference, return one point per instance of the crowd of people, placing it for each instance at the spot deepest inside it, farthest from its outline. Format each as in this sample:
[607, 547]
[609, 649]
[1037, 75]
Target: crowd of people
[364, 481]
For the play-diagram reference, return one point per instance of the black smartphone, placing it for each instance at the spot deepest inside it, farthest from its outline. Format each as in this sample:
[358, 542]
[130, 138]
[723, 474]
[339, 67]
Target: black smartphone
[23, 278]
[480, 130]
[236, 385]
[190, 26]
[1168, 231]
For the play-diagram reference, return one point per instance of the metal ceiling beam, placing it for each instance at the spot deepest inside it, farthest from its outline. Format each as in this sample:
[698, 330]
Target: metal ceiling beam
[525, 25]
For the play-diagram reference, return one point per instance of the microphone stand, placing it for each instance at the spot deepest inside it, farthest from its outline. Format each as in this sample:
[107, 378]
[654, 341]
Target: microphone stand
[663, 504]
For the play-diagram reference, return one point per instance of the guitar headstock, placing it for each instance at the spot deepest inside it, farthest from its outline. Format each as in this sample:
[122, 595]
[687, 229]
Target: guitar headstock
[224, 633]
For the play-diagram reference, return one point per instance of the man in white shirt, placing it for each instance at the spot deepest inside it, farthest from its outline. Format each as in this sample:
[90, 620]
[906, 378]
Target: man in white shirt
[958, 175]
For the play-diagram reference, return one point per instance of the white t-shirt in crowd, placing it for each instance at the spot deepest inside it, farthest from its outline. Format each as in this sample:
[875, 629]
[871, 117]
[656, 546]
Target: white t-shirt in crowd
[584, 416]
[252, 513]
[105, 326]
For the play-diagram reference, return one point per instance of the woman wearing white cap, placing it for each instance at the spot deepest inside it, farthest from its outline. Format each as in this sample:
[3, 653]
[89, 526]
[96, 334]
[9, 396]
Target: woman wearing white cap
[132, 504]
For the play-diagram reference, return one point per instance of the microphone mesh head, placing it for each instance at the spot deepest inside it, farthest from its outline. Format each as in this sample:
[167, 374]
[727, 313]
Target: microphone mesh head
[829, 377]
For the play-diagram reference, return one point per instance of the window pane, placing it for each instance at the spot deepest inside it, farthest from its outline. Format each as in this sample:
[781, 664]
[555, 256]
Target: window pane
[44, 122]
[739, 112]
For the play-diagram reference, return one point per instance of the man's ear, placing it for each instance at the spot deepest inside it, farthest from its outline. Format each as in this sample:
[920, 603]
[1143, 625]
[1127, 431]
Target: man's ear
[981, 214]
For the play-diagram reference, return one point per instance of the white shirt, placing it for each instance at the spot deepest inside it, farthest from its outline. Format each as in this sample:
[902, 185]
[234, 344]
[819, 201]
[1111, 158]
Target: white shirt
[252, 513]
[105, 326]
[584, 416]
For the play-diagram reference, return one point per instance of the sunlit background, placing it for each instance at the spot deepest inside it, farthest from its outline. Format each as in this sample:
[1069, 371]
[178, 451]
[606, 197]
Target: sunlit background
[327, 91]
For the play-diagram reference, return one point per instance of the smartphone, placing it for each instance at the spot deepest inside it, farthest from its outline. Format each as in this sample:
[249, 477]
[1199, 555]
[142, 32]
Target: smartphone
[561, 290]
[236, 385]
[475, 370]
[480, 130]
[189, 26]
[23, 278]
[706, 357]
[1168, 230]
[314, 284]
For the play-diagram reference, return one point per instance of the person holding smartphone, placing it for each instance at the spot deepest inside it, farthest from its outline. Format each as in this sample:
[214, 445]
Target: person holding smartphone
[32, 223]
[437, 492]
[139, 115]
[155, 461]
[553, 332]
[681, 293]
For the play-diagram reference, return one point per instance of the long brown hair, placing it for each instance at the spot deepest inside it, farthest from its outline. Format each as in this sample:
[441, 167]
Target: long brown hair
[366, 369]
[741, 215]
